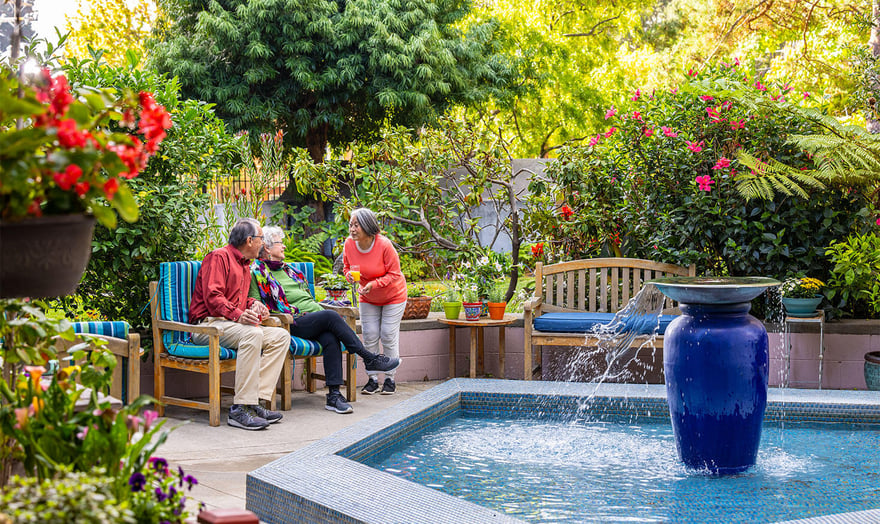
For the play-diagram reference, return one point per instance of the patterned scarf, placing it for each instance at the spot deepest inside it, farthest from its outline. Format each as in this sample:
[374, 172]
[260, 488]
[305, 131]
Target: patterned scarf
[271, 292]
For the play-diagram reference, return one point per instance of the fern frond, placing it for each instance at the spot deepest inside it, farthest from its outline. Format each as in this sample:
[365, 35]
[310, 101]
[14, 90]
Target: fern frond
[771, 177]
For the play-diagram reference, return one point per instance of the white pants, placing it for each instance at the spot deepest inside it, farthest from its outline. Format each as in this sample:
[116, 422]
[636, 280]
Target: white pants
[261, 351]
[382, 322]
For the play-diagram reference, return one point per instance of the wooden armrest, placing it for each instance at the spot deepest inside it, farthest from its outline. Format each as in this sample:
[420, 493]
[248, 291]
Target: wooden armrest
[285, 318]
[189, 328]
[344, 311]
[272, 321]
[117, 346]
[533, 303]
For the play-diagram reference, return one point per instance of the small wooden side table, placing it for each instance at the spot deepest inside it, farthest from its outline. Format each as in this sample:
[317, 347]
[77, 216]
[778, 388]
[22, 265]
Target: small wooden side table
[477, 350]
[817, 318]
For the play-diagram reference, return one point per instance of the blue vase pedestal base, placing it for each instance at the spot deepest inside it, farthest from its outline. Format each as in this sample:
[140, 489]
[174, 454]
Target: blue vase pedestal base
[716, 362]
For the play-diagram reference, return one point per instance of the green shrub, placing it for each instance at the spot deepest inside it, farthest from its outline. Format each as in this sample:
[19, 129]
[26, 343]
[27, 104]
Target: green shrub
[70, 497]
[854, 284]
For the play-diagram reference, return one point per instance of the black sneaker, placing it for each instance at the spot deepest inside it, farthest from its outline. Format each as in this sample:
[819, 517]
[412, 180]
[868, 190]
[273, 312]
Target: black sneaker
[336, 402]
[270, 416]
[371, 387]
[381, 363]
[388, 387]
[245, 417]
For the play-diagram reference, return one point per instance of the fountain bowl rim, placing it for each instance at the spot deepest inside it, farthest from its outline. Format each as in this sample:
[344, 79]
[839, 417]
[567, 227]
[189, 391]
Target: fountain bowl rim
[713, 290]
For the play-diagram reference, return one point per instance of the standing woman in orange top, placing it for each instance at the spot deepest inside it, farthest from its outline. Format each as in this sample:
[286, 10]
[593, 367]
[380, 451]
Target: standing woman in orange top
[382, 290]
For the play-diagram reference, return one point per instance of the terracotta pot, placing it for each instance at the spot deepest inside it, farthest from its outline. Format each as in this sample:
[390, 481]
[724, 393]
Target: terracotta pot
[496, 310]
[44, 257]
[417, 307]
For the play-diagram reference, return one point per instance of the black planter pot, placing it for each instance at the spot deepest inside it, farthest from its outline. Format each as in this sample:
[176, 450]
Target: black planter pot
[44, 257]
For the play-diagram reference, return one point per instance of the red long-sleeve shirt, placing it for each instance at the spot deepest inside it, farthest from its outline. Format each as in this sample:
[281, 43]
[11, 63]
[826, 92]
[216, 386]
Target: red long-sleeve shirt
[221, 286]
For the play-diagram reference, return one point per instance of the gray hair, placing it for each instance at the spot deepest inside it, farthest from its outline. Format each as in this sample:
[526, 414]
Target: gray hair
[367, 220]
[271, 236]
[243, 229]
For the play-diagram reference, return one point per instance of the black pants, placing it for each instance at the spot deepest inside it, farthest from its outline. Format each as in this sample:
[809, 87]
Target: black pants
[329, 329]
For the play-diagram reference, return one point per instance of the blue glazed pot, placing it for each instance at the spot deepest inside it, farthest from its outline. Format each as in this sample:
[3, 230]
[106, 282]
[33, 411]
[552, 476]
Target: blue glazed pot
[716, 365]
[801, 307]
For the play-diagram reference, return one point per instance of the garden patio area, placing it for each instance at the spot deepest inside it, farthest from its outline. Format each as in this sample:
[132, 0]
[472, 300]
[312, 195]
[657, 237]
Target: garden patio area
[526, 169]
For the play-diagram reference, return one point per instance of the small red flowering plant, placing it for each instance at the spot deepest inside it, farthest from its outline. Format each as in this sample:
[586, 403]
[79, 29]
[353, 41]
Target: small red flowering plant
[64, 151]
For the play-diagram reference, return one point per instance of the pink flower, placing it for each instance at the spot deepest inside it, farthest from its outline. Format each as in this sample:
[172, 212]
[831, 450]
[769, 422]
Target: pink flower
[722, 163]
[705, 182]
[786, 88]
[759, 86]
[594, 140]
[736, 61]
[637, 116]
[150, 416]
[777, 97]
[610, 132]
[611, 112]
[878, 221]
[691, 72]
[694, 146]
[648, 132]
[636, 95]
[669, 132]
[714, 115]
[806, 95]
[673, 90]
[707, 98]
[740, 124]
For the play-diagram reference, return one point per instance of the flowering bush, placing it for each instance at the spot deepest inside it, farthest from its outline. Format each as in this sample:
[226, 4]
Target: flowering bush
[59, 154]
[158, 492]
[661, 182]
[483, 271]
[804, 287]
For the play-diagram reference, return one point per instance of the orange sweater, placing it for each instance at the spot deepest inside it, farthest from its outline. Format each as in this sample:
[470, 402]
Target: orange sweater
[379, 265]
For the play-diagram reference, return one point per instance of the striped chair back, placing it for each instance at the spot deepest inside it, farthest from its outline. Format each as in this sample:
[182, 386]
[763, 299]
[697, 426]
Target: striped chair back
[307, 269]
[116, 329]
[177, 281]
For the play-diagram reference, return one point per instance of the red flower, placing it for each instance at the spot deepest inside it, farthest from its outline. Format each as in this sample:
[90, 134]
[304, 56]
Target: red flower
[538, 249]
[111, 186]
[722, 163]
[669, 132]
[35, 209]
[69, 136]
[610, 132]
[67, 179]
[648, 132]
[694, 146]
[566, 212]
[81, 188]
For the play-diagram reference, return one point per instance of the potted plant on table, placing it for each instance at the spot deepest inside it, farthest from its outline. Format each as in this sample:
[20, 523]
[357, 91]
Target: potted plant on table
[64, 159]
[452, 302]
[471, 301]
[497, 305]
[335, 285]
[800, 296]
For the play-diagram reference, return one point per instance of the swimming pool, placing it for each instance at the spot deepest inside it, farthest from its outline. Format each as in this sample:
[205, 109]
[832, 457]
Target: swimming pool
[325, 482]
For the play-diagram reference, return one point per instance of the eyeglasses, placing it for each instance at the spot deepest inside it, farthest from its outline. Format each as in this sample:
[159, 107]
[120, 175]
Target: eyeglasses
[257, 236]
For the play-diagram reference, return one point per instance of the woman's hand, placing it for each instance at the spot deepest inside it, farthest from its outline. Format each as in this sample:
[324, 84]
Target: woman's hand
[365, 289]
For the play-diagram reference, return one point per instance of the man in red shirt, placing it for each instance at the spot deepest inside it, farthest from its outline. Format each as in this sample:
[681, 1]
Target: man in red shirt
[220, 299]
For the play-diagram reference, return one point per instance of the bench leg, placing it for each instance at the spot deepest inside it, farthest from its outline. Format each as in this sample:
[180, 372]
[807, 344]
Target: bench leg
[311, 384]
[158, 383]
[351, 377]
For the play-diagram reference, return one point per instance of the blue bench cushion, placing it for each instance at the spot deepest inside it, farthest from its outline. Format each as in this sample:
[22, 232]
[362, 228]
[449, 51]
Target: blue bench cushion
[116, 329]
[584, 322]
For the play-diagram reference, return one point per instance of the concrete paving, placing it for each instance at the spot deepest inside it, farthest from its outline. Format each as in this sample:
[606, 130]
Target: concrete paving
[221, 457]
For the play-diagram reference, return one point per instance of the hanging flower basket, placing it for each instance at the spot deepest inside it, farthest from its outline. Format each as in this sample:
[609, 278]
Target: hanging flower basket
[417, 307]
[44, 257]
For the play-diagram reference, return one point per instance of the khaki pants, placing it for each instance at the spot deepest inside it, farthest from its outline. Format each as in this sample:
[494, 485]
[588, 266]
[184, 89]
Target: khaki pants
[261, 352]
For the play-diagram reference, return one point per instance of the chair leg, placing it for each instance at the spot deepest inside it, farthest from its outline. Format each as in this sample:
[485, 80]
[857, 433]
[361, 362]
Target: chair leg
[351, 377]
[214, 382]
[311, 383]
[134, 367]
[158, 382]
[287, 383]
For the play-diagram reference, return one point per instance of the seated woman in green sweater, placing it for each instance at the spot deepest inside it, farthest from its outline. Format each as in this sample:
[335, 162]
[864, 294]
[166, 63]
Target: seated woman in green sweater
[284, 289]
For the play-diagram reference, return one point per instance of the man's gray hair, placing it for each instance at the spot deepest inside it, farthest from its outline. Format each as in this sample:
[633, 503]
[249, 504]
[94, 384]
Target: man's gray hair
[242, 230]
[367, 220]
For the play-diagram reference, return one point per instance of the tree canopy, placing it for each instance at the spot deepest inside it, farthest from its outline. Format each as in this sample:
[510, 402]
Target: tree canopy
[326, 70]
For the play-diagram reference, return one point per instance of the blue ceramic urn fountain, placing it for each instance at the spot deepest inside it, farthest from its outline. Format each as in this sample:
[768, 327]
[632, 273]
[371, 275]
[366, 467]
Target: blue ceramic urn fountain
[716, 364]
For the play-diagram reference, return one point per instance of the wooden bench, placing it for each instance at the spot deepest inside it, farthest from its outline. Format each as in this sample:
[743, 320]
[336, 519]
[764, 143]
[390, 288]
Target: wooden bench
[598, 285]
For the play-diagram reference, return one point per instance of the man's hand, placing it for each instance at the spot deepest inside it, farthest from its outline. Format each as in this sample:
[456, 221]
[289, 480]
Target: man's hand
[250, 317]
[260, 309]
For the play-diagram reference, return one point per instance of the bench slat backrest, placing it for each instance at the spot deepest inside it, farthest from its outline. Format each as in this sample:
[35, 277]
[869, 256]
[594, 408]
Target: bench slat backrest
[599, 284]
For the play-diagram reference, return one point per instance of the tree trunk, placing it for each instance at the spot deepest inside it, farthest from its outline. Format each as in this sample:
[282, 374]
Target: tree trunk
[874, 45]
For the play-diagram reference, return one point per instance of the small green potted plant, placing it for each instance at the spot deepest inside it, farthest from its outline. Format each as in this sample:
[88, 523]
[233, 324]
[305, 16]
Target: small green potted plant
[335, 285]
[497, 305]
[451, 302]
[800, 296]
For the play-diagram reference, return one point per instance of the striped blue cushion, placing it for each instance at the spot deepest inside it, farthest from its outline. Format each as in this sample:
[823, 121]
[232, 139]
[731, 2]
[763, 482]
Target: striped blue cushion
[177, 281]
[300, 347]
[117, 329]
